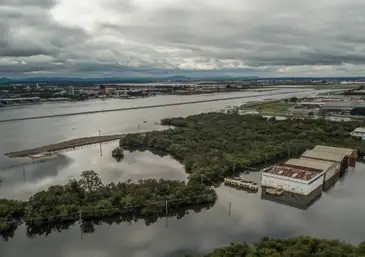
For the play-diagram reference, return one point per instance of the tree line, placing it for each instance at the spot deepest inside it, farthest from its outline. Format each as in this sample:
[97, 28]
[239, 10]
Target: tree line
[89, 199]
[290, 247]
[213, 145]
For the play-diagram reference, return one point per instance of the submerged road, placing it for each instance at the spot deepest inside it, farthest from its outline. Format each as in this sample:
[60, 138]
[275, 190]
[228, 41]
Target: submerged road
[73, 143]
[143, 107]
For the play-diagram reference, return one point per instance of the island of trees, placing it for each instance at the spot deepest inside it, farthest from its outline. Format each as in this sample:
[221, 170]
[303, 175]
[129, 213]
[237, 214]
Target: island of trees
[293, 247]
[88, 199]
[118, 153]
[212, 145]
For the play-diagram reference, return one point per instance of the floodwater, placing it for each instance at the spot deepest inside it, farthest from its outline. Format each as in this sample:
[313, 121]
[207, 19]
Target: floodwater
[338, 214]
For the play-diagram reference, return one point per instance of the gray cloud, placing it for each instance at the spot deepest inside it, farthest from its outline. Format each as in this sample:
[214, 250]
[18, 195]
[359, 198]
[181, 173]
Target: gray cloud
[253, 37]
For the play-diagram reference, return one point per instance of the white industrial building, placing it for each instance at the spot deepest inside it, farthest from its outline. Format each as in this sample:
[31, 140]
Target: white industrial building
[316, 170]
[358, 132]
[346, 156]
[71, 90]
[300, 176]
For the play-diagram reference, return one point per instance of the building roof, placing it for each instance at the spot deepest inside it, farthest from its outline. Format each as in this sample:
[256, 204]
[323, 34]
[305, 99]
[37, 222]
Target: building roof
[348, 105]
[321, 155]
[311, 163]
[21, 98]
[295, 172]
[311, 103]
[359, 130]
[331, 149]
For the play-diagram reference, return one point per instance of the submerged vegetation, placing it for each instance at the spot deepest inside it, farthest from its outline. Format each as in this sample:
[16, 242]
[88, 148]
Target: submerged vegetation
[294, 247]
[212, 145]
[118, 153]
[89, 199]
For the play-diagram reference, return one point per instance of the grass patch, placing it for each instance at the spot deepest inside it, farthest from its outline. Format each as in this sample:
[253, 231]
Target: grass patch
[347, 86]
[269, 107]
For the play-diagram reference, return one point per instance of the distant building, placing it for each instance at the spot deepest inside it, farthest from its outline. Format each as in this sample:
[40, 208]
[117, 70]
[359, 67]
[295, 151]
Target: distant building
[358, 132]
[71, 90]
[352, 107]
[316, 170]
[102, 89]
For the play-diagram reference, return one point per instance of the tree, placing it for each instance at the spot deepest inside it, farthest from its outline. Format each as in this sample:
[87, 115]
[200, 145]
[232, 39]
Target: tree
[118, 154]
[90, 182]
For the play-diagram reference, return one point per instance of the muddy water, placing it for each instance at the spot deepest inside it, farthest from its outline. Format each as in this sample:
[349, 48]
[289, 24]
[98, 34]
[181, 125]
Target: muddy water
[338, 214]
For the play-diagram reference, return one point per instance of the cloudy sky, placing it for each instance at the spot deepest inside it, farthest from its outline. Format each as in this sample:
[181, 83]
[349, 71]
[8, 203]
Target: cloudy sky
[182, 37]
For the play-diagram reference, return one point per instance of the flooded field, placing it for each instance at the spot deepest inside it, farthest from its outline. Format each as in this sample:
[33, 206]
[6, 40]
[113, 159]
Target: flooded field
[338, 214]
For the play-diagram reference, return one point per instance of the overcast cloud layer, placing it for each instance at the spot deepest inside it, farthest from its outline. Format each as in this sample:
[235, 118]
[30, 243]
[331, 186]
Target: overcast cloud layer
[149, 37]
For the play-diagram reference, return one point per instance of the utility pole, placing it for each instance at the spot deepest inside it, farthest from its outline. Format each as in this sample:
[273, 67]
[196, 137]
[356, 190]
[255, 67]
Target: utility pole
[24, 172]
[101, 150]
[229, 209]
[139, 129]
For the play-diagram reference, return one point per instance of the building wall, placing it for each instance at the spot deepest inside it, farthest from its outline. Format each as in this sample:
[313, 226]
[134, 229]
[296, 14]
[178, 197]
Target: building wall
[288, 184]
[295, 200]
[314, 184]
[333, 171]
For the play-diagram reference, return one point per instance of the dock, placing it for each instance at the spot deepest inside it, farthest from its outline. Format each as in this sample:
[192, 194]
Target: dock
[65, 145]
[242, 184]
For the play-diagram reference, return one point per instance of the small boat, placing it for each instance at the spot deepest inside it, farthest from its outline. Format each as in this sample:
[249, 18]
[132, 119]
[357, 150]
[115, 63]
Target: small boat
[274, 191]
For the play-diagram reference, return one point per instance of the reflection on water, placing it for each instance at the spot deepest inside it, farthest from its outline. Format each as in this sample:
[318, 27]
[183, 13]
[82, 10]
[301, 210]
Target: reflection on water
[135, 166]
[339, 213]
[90, 225]
[248, 219]
[291, 199]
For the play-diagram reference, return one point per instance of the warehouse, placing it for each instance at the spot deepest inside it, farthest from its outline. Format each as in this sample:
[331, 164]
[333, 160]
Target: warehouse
[293, 178]
[325, 156]
[359, 133]
[348, 107]
[350, 154]
[330, 169]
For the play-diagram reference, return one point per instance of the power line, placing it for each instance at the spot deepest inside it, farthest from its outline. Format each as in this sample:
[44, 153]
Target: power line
[104, 210]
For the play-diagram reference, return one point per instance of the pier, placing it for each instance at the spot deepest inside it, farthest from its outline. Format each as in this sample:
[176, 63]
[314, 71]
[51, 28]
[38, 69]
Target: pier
[65, 145]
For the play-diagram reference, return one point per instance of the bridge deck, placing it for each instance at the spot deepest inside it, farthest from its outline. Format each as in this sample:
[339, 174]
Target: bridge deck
[73, 143]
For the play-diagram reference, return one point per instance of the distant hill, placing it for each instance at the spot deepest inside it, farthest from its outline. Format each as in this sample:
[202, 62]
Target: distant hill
[177, 78]
[71, 80]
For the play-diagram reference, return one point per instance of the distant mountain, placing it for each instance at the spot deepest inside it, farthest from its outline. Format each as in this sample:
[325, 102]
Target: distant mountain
[3, 79]
[71, 80]
[177, 78]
